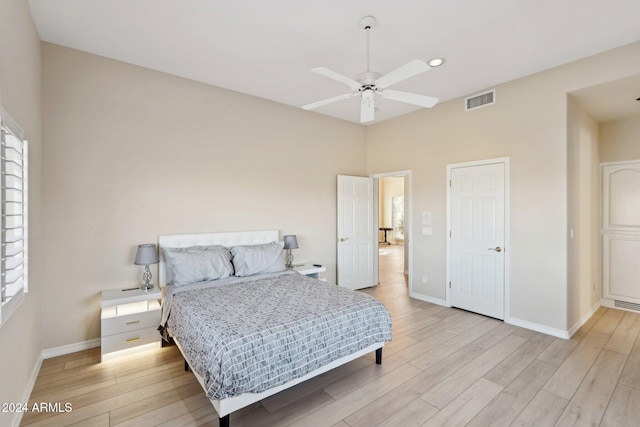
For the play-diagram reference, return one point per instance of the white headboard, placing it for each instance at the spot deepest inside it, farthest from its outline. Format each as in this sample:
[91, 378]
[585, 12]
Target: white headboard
[228, 239]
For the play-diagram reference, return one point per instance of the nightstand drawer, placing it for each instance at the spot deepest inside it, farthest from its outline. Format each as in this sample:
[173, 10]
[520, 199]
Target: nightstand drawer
[130, 322]
[130, 339]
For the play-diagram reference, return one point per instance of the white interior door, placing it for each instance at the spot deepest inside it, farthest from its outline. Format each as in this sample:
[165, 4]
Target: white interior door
[477, 238]
[355, 232]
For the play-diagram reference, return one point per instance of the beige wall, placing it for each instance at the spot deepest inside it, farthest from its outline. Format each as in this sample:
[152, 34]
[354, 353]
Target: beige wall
[528, 124]
[20, 336]
[583, 174]
[620, 140]
[132, 154]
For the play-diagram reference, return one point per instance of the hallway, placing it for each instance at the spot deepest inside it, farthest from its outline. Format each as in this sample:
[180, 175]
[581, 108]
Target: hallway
[391, 267]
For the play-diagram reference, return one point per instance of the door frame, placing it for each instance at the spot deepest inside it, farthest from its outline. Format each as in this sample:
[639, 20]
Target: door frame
[507, 245]
[407, 221]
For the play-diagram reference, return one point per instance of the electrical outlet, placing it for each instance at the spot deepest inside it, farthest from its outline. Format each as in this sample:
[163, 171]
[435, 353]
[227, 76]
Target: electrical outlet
[424, 279]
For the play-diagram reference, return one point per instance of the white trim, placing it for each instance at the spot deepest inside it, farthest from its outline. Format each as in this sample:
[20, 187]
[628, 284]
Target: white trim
[583, 320]
[407, 174]
[375, 244]
[7, 308]
[625, 162]
[27, 393]
[47, 354]
[538, 328]
[507, 215]
[427, 298]
[70, 348]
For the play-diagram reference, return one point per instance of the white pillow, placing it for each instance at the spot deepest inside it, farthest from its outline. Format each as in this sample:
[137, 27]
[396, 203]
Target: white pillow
[197, 264]
[257, 259]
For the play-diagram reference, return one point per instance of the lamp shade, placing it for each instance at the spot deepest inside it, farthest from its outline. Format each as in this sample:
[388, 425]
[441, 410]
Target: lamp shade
[290, 242]
[147, 254]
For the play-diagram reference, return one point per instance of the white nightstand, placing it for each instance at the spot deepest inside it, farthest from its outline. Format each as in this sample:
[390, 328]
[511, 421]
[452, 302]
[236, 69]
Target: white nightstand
[311, 271]
[129, 321]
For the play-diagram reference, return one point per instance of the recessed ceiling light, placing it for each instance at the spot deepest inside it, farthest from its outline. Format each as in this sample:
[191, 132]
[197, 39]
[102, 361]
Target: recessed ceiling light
[436, 62]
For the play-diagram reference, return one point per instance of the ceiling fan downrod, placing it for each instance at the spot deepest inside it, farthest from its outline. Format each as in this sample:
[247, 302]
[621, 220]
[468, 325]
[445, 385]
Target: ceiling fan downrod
[367, 23]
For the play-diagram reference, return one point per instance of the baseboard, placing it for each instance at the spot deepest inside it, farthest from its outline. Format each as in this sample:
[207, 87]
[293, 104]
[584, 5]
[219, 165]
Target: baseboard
[538, 328]
[70, 348]
[47, 354]
[583, 319]
[606, 302]
[27, 393]
[427, 298]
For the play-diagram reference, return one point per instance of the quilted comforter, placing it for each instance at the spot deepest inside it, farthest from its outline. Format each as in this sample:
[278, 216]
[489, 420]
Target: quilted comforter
[249, 335]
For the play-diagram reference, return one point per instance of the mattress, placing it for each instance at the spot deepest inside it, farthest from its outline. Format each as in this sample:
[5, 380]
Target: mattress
[247, 335]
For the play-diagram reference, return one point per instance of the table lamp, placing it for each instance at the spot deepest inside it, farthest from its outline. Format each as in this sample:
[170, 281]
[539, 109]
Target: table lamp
[146, 255]
[290, 242]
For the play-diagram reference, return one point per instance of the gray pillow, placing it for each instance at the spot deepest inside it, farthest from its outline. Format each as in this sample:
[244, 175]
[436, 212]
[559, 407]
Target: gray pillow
[197, 264]
[256, 259]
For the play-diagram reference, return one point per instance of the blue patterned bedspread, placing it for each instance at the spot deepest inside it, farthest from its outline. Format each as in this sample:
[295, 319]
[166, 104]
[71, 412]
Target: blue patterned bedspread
[252, 335]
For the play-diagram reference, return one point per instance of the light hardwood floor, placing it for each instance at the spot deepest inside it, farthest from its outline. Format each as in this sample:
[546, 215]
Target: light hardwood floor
[444, 367]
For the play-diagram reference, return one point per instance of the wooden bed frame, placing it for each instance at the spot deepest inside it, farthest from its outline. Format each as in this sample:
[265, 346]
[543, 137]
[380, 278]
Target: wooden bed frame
[224, 407]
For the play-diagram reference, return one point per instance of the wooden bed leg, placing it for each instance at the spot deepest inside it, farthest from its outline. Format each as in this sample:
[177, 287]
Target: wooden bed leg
[186, 366]
[379, 356]
[224, 421]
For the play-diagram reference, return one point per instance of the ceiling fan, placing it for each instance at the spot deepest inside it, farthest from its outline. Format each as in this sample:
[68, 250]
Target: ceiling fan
[370, 83]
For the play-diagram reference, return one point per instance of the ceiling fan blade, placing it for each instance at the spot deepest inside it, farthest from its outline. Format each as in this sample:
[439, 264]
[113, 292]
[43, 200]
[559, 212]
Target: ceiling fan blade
[367, 106]
[404, 72]
[354, 85]
[328, 101]
[410, 98]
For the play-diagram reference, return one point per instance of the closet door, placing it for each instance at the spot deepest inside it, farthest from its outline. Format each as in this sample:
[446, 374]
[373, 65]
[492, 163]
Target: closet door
[621, 231]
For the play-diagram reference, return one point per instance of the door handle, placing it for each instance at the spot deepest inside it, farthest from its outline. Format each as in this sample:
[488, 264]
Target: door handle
[497, 249]
[343, 239]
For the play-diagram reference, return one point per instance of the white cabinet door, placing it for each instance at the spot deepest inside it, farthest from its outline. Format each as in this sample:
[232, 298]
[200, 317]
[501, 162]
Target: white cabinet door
[621, 267]
[356, 235]
[621, 197]
[477, 238]
[621, 232]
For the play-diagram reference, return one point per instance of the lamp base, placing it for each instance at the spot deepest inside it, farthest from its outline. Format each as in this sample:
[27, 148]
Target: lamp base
[147, 279]
[146, 287]
[289, 263]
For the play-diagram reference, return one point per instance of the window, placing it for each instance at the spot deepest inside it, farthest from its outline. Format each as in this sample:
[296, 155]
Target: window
[14, 198]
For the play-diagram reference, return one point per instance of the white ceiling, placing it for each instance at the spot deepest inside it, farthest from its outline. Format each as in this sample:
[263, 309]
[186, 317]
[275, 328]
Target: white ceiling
[267, 48]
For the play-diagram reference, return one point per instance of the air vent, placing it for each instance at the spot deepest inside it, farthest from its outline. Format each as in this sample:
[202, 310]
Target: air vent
[627, 305]
[480, 100]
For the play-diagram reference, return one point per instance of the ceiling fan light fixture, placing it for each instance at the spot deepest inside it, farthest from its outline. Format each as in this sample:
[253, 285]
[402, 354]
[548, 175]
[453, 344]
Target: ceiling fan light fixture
[435, 62]
[368, 94]
[371, 83]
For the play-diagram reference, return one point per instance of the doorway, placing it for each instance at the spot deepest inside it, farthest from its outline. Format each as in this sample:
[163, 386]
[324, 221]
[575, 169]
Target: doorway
[393, 228]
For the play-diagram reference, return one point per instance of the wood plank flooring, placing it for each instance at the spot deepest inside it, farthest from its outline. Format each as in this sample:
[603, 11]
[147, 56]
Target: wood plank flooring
[444, 367]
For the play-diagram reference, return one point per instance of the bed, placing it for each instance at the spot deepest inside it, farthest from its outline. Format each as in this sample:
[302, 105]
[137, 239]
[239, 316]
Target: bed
[247, 327]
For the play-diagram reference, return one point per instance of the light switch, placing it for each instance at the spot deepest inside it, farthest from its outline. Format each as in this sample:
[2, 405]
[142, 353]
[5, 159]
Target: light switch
[426, 218]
